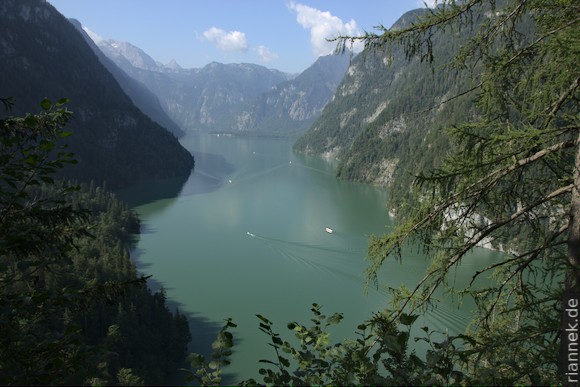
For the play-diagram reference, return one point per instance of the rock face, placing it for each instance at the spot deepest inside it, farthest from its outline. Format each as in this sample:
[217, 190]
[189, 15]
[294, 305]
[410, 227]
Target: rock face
[141, 96]
[292, 106]
[237, 98]
[206, 99]
[385, 120]
[44, 56]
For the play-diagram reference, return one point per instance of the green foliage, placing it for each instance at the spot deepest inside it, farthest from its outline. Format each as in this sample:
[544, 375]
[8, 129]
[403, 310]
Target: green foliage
[210, 373]
[386, 109]
[314, 357]
[37, 235]
[125, 377]
[72, 308]
[379, 355]
[508, 180]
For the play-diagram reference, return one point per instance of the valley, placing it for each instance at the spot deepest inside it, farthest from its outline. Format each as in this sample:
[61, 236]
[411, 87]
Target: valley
[245, 235]
[143, 205]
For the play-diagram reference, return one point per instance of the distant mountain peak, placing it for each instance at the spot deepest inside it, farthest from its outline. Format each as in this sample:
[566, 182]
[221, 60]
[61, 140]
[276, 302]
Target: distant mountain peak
[113, 141]
[173, 65]
[93, 35]
[133, 54]
[136, 56]
[235, 97]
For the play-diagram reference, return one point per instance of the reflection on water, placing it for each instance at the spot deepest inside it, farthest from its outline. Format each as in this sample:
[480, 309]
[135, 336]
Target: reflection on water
[245, 234]
[209, 174]
[153, 190]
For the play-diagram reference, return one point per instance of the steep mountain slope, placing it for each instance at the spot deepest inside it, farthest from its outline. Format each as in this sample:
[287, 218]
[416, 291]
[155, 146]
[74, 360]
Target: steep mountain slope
[206, 99]
[210, 97]
[43, 55]
[141, 96]
[292, 106]
[238, 98]
[386, 118]
[126, 54]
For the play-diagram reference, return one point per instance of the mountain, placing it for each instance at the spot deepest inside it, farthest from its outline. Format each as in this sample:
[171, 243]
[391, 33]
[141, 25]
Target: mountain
[141, 96]
[199, 100]
[209, 98]
[385, 120]
[238, 98]
[43, 55]
[125, 52]
[292, 106]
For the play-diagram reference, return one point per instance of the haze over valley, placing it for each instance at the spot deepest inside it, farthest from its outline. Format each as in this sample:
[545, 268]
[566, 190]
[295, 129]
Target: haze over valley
[183, 186]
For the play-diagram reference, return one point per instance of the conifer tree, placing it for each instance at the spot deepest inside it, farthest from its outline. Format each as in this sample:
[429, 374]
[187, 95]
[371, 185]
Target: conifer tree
[36, 235]
[510, 180]
[73, 309]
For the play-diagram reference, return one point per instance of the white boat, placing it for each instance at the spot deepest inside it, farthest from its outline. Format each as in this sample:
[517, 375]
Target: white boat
[329, 230]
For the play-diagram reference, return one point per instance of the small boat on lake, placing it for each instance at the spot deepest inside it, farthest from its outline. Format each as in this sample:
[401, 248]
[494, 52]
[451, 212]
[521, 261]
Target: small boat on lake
[329, 230]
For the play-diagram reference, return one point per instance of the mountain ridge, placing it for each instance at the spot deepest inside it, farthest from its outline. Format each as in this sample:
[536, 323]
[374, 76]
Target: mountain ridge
[293, 105]
[112, 139]
[384, 124]
[141, 96]
[239, 98]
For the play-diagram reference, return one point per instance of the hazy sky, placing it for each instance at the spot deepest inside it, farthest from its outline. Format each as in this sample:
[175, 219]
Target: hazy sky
[282, 34]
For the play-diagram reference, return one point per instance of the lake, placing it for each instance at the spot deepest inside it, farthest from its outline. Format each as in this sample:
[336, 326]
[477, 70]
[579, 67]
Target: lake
[245, 235]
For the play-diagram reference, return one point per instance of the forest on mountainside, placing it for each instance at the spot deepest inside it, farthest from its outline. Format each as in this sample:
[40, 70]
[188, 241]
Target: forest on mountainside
[44, 56]
[492, 152]
[386, 123]
[73, 309]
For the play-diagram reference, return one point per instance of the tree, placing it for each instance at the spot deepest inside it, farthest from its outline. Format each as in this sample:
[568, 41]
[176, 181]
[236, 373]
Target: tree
[37, 232]
[512, 179]
[381, 345]
[126, 377]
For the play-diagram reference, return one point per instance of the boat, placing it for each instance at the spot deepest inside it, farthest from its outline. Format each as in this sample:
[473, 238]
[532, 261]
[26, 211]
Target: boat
[329, 230]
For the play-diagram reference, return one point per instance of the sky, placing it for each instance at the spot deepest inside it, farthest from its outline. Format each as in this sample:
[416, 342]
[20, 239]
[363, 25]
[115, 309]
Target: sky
[288, 35]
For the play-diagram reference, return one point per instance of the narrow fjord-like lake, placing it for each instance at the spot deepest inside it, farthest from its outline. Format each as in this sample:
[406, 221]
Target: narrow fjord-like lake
[246, 235]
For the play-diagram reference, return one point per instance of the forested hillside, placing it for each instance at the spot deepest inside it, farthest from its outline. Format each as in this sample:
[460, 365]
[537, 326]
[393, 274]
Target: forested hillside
[385, 121]
[72, 308]
[44, 56]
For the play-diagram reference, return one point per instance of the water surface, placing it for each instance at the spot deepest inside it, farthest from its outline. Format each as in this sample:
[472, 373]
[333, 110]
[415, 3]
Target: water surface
[246, 235]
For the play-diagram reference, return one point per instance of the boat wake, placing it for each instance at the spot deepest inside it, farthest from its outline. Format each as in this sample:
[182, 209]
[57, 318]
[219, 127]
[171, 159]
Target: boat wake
[328, 260]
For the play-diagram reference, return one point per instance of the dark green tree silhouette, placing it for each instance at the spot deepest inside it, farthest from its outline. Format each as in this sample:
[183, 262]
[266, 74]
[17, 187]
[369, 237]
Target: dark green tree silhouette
[510, 179]
[73, 309]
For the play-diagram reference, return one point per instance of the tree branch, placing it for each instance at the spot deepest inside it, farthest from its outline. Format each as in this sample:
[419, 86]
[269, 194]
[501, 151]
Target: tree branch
[558, 104]
[472, 242]
[535, 252]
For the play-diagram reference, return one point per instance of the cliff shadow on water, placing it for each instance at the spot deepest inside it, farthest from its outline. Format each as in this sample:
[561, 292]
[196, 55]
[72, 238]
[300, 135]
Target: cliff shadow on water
[209, 174]
[203, 331]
